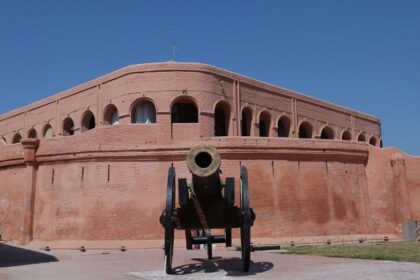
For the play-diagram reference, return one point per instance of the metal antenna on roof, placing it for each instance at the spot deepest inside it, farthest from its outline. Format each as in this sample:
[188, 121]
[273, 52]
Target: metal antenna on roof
[173, 51]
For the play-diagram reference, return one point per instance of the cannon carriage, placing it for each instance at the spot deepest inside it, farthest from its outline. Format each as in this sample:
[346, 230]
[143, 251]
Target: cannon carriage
[207, 203]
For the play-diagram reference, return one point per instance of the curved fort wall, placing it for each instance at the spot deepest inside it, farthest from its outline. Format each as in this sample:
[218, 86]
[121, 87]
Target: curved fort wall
[108, 183]
[206, 86]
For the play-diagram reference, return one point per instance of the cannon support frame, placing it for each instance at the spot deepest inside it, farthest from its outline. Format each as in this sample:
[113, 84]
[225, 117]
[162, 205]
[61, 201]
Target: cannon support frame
[204, 209]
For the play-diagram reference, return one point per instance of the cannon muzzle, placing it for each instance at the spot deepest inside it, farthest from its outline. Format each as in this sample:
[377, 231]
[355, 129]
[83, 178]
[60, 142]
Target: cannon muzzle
[203, 161]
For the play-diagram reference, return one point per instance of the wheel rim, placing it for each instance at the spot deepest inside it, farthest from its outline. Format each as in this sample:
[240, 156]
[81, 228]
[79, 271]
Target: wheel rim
[169, 227]
[246, 223]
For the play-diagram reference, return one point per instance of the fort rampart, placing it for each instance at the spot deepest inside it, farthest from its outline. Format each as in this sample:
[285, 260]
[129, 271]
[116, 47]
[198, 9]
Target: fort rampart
[316, 170]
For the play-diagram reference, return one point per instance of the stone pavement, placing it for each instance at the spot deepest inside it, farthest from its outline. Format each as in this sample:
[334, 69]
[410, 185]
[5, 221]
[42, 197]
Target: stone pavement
[19, 263]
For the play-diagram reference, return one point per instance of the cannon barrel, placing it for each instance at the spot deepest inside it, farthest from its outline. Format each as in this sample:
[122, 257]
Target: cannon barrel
[203, 161]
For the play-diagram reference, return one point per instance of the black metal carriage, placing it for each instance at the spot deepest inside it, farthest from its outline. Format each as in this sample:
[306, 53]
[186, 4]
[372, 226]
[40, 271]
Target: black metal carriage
[205, 204]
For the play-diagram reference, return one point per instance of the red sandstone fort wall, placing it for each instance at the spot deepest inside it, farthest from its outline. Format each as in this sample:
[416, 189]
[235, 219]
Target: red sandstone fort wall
[106, 185]
[165, 83]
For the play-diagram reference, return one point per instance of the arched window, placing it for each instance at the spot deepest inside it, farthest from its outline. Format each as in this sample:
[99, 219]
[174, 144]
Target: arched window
[327, 133]
[283, 127]
[246, 121]
[68, 127]
[88, 121]
[143, 112]
[264, 124]
[16, 138]
[32, 133]
[184, 111]
[361, 138]
[48, 131]
[372, 141]
[346, 135]
[305, 130]
[221, 119]
[111, 115]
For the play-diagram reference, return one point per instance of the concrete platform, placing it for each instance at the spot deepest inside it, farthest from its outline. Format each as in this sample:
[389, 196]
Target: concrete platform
[18, 263]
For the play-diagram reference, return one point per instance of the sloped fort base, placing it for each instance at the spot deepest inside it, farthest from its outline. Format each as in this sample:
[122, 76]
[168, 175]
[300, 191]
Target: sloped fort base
[298, 187]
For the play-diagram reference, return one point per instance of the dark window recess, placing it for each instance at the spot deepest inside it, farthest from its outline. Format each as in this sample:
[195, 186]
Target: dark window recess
[283, 127]
[32, 134]
[263, 128]
[68, 127]
[16, 138]
[88, 122]
[346, 135]
[372, 141]
[91, 123]
[246, 123]
[220, 122]
[184, 113]
[281, 131]
[302, 132]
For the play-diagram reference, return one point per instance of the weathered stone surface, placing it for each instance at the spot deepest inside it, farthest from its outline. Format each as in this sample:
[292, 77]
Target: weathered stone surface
[108, 184]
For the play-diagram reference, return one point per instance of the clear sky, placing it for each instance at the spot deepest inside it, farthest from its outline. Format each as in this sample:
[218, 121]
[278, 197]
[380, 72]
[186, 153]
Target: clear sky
[360, 54]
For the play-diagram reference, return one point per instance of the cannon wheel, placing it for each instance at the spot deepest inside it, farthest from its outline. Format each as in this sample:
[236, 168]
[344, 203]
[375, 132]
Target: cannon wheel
[188, 239]
[209, 244]
[169, 226]
[246, 223]
[228, 236]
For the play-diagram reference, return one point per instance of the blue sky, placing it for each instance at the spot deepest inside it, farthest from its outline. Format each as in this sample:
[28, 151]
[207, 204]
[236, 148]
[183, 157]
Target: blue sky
[360, 54]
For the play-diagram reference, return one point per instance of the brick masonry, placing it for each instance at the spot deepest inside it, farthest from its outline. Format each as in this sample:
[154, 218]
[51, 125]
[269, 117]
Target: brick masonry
[108, 183]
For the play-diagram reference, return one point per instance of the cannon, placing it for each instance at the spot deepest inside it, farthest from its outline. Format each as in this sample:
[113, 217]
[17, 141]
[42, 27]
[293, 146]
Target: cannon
[206, 203]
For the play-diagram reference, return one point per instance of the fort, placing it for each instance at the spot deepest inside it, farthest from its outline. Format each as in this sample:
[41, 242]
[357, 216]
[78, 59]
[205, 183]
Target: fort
[88, 166]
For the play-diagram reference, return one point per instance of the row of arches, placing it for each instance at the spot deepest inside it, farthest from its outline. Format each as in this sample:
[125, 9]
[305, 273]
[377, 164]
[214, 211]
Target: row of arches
[47, 132]
[305, 128]
[185, 110]
[142, 112]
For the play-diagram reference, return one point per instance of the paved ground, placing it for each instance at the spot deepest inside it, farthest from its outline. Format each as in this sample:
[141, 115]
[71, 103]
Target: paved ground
[19, 263]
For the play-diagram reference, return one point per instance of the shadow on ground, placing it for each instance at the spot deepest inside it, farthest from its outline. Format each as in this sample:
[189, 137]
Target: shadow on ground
[14, 256]
[232, 266]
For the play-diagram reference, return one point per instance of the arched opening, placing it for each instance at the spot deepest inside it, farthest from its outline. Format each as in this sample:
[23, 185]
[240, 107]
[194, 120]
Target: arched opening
[246, 121]
[143, 112]
[32, 133]
[381, 144]
[372, 141]
[184, 111]
[264, 124]
[16, 138]
[327, 133]
[346, 135]
[48, 131]
[283, 127]
[361, 137]
[305, 130]
[3, 140]
[111, 115]
[88, 121]
[68, 127]
[221, 119]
